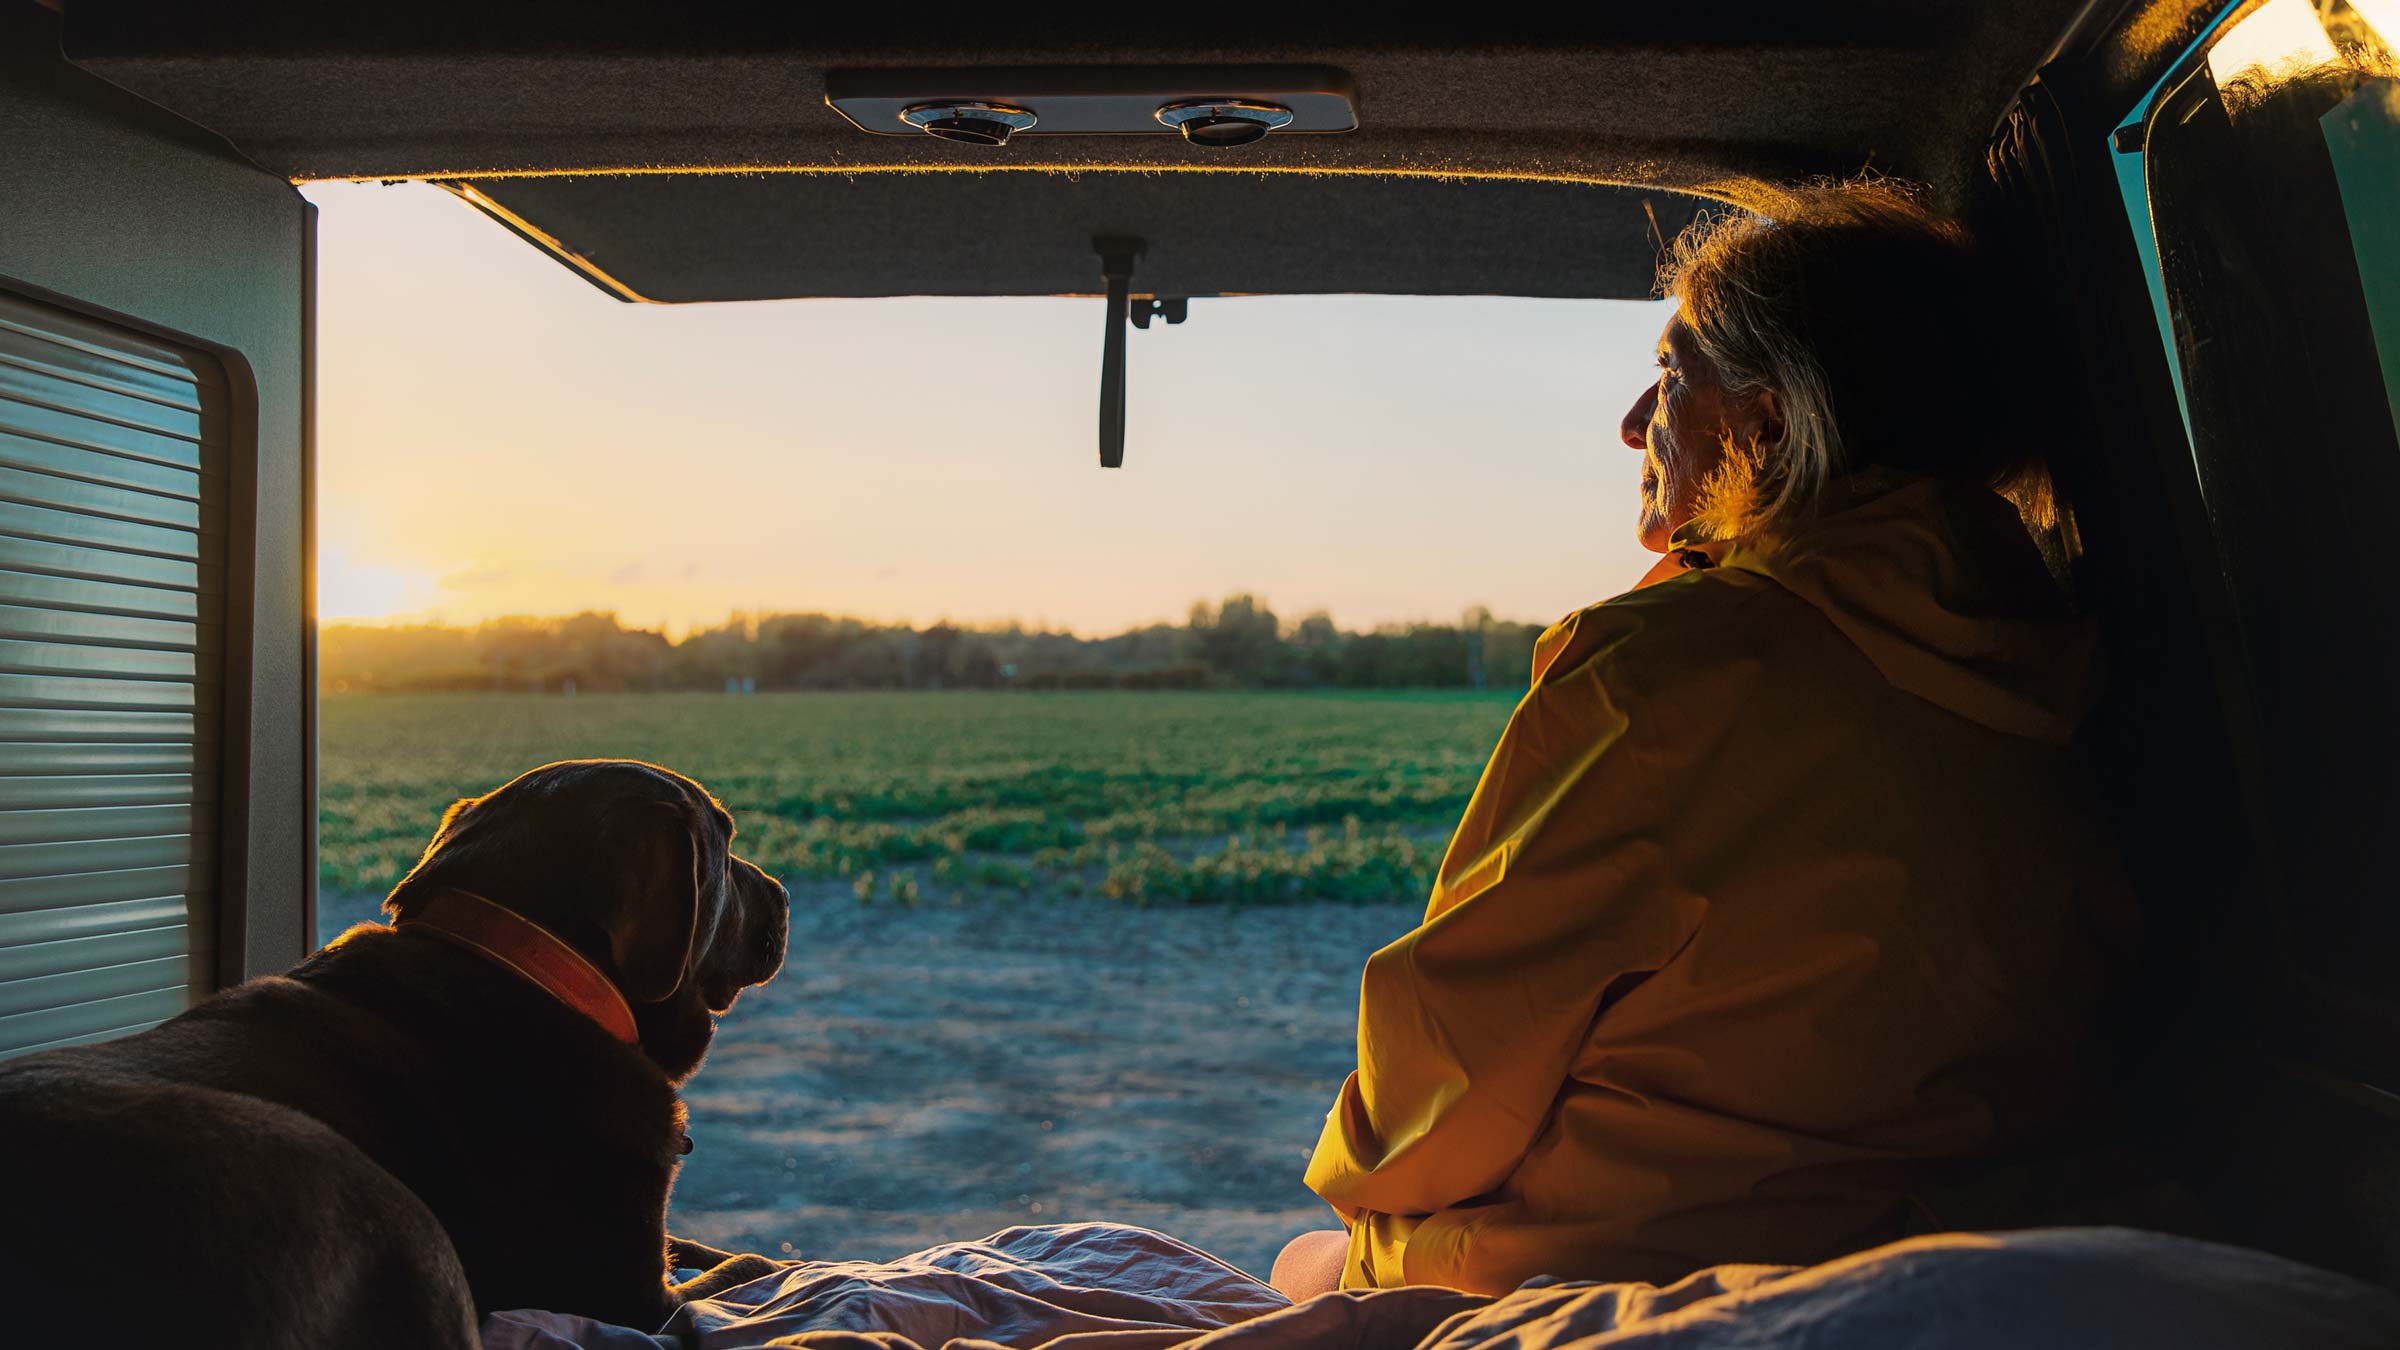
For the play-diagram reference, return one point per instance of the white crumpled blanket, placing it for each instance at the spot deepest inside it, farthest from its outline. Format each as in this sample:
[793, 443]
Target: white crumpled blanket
[1107, 1287]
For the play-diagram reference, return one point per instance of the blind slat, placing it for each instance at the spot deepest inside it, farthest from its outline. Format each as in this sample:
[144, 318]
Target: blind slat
[72, 595]
[49, 991]
[26, 623]
[102, 823]
[71, 956]
[48, 891]
[49, 424]
[82, 562]
[56, 792]
[81, 364]
[174, 480]
[108, 663]
[72, 759]
[71, 922]
[46, 1027]
[81, 495]
[23, 861]
[95, 402]
[59, 691]
[91, 724]
[105, 339]
[33, 521]
[108, 1033]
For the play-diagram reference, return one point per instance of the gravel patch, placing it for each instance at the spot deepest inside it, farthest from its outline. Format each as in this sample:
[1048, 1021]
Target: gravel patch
[930, 1073]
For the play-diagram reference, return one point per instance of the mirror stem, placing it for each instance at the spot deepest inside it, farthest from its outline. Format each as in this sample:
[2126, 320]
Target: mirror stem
[1116, 266]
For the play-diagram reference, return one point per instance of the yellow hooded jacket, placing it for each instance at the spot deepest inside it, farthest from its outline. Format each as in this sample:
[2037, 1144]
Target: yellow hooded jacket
[1782, 906]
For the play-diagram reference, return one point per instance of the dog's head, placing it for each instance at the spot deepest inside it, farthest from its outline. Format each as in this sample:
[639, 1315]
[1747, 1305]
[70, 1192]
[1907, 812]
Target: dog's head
[633, 865]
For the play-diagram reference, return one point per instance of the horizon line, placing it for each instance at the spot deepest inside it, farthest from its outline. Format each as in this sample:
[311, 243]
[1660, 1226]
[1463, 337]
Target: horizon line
[737, 614]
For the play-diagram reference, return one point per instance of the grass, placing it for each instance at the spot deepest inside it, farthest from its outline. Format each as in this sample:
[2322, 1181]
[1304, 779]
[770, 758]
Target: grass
[1151, 798]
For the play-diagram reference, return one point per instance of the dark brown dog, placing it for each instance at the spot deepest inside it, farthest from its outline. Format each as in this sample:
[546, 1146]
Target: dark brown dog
[403, 1133]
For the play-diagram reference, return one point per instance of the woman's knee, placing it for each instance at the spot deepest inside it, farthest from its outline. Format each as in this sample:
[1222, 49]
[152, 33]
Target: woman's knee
[1310, 1264]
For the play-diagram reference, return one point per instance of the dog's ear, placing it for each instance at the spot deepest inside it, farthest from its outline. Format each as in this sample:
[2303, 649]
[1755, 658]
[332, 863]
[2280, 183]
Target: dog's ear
[403, 897]
[653, 913]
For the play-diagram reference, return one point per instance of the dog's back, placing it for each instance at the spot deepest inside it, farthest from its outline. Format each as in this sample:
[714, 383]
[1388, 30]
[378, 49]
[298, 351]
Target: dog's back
[144, 1210]
[392, 1099]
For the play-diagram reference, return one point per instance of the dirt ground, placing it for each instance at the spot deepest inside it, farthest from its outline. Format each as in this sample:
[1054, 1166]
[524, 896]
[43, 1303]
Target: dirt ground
[931, 1073]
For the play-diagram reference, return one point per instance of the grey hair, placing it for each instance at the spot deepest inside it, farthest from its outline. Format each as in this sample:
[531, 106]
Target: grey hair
[1853, 305]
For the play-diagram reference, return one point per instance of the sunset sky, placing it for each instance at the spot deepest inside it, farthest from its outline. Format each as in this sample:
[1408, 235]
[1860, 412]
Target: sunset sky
[495, 436]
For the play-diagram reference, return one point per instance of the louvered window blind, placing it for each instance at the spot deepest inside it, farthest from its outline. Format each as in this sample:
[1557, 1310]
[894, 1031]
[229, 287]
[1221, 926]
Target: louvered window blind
[113, 461]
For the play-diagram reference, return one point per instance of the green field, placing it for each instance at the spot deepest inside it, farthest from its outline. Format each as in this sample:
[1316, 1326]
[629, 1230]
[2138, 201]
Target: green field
[912, 797]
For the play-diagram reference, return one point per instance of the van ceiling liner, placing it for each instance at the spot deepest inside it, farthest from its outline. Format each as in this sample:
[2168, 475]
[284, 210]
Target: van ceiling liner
[644, 104]
[777, 236]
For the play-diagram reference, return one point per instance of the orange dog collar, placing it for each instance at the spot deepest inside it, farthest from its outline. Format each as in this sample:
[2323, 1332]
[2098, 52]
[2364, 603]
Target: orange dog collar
[470, 921]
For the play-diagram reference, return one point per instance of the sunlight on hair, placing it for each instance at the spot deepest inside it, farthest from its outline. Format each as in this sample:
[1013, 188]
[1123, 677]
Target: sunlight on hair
[2278, 33]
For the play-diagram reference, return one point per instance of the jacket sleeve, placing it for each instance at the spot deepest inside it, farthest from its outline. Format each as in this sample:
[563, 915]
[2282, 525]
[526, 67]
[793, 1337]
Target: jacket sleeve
[1555, 886]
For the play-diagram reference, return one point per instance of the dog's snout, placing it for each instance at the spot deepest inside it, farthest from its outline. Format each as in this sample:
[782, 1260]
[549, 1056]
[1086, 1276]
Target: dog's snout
[758, 877]
[772, 904]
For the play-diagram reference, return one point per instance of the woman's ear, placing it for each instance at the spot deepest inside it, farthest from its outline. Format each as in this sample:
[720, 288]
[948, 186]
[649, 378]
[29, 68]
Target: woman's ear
[1770, 420]
[651, 852]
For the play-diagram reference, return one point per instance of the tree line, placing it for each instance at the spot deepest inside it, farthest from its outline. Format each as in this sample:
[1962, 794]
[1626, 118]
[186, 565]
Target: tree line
[1239, 643]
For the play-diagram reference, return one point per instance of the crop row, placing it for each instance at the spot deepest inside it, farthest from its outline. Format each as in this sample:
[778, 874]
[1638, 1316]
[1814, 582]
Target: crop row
[1149, 799]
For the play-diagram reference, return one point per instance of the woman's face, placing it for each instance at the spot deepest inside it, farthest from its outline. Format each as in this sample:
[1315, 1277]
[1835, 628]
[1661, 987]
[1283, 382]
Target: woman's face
[1682, 424]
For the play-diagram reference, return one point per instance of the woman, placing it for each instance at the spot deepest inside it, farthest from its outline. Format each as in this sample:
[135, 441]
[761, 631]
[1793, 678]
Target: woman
[1779, 922]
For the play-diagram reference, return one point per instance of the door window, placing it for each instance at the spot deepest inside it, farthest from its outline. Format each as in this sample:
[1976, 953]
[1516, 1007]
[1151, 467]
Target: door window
[2271, 168]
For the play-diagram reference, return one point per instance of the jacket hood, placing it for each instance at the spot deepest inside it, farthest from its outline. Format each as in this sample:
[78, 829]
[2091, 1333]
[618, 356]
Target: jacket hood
[1938, 584]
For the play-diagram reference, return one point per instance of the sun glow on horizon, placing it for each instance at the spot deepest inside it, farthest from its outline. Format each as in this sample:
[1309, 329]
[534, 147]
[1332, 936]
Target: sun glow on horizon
[349, 591]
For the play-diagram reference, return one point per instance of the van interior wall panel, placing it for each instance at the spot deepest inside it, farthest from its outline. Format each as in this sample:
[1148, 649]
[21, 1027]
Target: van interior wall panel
[114, 458]
[1683, 98]
[156, 799]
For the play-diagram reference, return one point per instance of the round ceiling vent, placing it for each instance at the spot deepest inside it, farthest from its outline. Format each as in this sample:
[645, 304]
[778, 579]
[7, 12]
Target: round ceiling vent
[969, 123]
[1224, 122]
